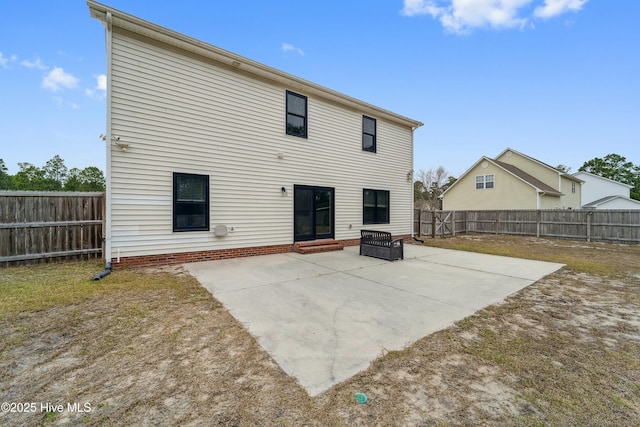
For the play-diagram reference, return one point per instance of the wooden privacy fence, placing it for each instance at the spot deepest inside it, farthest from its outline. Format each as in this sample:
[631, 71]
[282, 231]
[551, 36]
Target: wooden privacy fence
[620, 226]
[39, 226]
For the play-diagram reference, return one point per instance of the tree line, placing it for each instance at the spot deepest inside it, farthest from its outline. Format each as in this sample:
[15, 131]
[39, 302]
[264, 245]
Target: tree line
[429, 185]
[616, 168]
[53, 176]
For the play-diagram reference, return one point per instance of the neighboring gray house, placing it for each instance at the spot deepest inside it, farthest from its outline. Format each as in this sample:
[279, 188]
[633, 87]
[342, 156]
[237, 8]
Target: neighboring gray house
[604, 193]
[212, 155]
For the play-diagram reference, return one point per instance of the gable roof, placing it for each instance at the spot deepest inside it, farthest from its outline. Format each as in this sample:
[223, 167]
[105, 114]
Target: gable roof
[527, 157]
[607, 199]
[538, 185]
[111, 16]
[559, 172]
[589, 175]
[529, 179]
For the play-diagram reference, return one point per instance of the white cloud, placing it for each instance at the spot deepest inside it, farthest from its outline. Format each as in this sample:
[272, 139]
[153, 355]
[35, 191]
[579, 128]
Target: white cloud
[58, 79]
[102, 82]
[98, 92]
[286, 47]
[553, 8]
[34, 64]
[4, 61]
[461, 16]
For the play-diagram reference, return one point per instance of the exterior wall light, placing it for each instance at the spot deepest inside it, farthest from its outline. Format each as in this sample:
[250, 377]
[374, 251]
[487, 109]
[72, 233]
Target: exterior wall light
[122, 146]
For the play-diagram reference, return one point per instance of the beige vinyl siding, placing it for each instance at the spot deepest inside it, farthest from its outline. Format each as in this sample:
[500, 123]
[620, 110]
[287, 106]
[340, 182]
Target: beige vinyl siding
[543, 173]
[550, 202]
[509, 192]
[182, 113]
[570, 199]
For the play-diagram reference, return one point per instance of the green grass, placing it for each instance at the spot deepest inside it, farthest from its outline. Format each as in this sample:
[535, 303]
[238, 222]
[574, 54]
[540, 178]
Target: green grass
[38, 288]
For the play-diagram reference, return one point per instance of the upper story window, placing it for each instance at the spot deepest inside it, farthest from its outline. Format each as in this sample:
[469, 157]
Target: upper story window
[296, 114]
[190, 202]
[484, 182]
[368, 134]
[573, 187]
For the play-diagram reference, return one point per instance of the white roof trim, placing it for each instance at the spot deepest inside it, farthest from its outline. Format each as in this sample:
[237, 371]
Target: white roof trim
[607, 199]
[173, 38]
[603, 178]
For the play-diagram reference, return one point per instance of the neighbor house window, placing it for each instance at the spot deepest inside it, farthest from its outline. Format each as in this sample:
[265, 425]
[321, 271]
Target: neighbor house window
[368, 134]
[484, 181]
[296, 115]
[190, 202]
[573, 187]
[375, 207]
[488, 181]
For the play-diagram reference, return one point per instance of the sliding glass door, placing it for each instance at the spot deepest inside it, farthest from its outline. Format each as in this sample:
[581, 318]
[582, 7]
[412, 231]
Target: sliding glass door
[313, 213]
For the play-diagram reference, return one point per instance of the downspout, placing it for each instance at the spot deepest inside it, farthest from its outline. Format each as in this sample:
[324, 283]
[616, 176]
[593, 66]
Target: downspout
[413, 212]
[419, 223]
[106, 272]
[560, 186]
[540, 194]
[413, 205]
[107, 219]
[560, 182]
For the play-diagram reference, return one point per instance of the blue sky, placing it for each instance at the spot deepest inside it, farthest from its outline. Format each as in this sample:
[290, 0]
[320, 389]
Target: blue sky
[558, 80]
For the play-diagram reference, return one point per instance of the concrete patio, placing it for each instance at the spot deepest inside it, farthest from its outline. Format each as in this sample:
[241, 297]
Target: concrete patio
[325, 317]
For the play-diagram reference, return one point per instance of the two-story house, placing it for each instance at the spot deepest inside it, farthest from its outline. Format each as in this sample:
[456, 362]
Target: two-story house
[604, 193]
[212, 155]
[512, 180]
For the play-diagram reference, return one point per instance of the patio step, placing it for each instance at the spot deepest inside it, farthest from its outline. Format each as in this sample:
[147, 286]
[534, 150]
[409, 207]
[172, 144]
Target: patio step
[317, 246]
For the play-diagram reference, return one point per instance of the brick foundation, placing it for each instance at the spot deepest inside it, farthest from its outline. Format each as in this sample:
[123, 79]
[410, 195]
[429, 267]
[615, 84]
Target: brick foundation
[185, 257]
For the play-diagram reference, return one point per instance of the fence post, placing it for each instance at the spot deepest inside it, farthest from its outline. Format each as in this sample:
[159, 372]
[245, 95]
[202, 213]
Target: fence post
[497, 221]
[433, 224]
[103, 231]
[466, 222]
[589, 226]
[538, 215]
[453, 223]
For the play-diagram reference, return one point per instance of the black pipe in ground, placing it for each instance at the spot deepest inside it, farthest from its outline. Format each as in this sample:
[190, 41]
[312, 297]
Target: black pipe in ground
[106, 272]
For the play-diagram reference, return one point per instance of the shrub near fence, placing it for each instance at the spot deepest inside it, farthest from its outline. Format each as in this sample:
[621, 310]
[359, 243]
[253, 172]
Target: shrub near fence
[619, 226]
[40, 227]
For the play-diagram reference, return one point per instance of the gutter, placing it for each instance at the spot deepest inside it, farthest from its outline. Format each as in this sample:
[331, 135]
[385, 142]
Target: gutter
[107, 216]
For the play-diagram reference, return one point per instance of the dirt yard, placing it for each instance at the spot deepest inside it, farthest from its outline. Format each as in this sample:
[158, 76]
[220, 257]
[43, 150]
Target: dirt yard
[154, 348]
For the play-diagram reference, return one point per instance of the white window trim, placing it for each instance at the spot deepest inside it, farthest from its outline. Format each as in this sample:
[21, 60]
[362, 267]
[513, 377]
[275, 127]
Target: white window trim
[482, 179]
